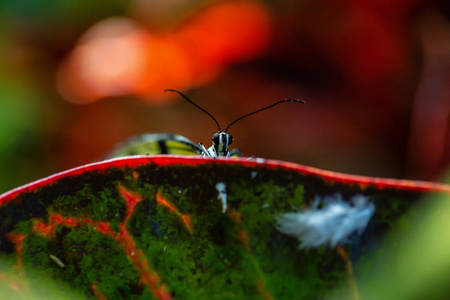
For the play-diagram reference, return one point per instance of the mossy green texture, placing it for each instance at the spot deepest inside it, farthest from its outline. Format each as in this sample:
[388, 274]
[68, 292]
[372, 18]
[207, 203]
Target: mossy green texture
[98, 205]
[238, 254]
[80, 249]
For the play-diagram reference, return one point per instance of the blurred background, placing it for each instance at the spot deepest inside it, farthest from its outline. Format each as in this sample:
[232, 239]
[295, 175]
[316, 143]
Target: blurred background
[77, 77]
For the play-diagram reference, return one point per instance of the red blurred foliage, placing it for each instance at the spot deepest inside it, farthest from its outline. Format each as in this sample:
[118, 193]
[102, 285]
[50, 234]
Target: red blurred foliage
[368, 42]
[374, 79]
[360, 61]
[119, 57]
[429, 140]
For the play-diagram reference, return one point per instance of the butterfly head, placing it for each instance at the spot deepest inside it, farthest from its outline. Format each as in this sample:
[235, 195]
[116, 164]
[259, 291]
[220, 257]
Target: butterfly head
[221, 141]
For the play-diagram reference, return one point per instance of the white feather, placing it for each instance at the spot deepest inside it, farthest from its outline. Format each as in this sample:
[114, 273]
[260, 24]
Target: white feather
[330, 225]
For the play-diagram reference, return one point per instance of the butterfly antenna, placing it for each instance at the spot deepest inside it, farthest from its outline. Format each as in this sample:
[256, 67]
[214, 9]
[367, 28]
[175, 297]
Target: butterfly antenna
[276, 103]
[190, 101]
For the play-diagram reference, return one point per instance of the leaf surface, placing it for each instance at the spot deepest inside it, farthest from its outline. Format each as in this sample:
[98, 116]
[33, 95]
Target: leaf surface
[155, 227]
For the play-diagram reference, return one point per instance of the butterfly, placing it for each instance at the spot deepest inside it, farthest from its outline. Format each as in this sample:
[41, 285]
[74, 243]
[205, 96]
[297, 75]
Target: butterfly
[169, 143]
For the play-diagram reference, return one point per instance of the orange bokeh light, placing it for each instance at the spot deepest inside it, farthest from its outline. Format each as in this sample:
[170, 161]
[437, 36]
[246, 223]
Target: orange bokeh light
[120, 57]
[108, 61]
[225, 33]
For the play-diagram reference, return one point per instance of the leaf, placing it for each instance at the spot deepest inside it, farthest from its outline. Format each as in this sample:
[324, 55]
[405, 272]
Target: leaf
[415, 261]
[155, 227]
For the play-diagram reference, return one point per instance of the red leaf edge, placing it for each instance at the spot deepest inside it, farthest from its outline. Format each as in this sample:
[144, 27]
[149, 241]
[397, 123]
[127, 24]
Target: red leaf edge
[167, 160]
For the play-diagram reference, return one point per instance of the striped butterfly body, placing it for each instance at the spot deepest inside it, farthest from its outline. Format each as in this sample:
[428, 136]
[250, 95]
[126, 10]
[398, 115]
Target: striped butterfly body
[169, 143]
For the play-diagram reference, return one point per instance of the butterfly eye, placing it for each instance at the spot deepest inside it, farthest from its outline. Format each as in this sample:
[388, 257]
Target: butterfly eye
[230, 139]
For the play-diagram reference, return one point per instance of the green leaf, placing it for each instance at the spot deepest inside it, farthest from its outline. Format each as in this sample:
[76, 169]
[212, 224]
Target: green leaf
[153, 227]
